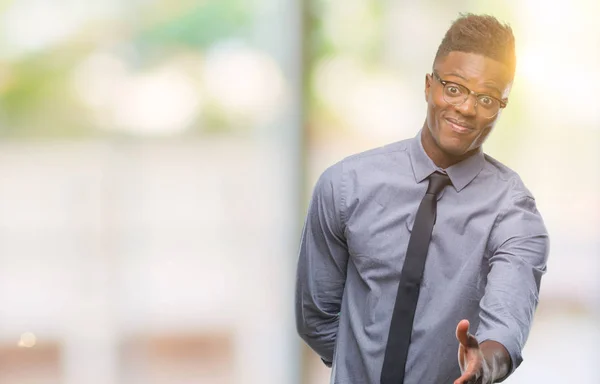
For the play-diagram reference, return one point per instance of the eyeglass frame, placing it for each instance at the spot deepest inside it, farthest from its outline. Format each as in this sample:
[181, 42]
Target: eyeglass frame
[476, 94]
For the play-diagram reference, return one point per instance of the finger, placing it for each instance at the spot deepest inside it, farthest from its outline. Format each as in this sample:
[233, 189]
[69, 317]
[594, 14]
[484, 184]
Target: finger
[462, 332]
[466, 378]
[461, 380]
[463, 335]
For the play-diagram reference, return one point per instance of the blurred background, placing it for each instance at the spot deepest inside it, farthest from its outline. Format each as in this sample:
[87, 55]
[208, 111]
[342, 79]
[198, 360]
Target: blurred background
[156, 158]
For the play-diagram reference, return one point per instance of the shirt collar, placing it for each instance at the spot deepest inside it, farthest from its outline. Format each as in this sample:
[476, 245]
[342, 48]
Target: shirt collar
[461, 174]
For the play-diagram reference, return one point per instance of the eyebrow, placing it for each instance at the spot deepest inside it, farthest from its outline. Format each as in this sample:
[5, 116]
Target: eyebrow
[487, 85]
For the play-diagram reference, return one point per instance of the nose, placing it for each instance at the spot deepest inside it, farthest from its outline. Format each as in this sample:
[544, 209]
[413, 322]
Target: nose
[468, 107]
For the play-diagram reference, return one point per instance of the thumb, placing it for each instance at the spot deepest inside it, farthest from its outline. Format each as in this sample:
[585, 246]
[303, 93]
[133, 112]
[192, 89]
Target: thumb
[463, 335]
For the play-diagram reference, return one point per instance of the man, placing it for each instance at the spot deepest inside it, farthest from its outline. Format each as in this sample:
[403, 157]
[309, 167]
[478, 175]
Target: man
[369, 226]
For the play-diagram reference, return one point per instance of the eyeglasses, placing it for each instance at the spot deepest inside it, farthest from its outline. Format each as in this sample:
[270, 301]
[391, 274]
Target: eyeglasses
[457, 94]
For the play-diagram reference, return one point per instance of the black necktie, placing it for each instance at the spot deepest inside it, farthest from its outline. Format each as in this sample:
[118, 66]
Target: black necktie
[410, 280]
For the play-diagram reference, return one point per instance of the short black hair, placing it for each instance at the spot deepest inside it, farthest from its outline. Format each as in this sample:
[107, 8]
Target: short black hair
[481, 34]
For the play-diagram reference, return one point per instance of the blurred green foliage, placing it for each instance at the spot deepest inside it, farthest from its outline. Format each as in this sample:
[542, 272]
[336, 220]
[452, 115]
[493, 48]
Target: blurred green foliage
[199, 25]
[37, 99]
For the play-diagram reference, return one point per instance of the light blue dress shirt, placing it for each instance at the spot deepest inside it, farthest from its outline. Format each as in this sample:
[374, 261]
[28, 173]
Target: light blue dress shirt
[487, 255]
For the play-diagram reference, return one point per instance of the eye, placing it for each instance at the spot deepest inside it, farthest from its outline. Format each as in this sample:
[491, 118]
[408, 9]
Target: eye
[453, 89]
[486, 101]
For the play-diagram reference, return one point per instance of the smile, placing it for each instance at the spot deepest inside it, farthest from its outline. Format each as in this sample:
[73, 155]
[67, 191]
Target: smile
[457, 127]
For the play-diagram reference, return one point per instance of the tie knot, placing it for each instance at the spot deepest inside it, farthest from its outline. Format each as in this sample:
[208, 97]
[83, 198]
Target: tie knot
[437, 182]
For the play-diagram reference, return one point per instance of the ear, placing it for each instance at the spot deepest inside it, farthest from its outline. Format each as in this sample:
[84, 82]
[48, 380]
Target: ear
[428, 81]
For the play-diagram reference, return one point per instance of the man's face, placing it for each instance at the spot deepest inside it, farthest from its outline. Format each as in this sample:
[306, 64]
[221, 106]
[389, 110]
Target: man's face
[458, 129]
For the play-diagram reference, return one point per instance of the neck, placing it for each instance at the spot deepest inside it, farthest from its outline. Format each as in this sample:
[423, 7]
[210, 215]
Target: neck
[436, 154]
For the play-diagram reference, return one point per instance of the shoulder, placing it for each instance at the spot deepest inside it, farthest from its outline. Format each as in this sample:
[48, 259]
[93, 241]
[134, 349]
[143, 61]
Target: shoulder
[376, 155]
[504, 178]
[372, 161]
[519, 219]
[364, 170]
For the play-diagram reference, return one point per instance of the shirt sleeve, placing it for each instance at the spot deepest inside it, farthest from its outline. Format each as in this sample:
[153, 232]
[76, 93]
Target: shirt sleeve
[321, 269]
[520, 248]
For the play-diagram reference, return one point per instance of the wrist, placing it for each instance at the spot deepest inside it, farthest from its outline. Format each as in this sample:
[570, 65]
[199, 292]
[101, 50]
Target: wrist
[496, 360]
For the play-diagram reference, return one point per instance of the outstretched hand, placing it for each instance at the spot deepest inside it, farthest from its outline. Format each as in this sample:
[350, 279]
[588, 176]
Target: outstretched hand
[473, 366]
